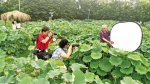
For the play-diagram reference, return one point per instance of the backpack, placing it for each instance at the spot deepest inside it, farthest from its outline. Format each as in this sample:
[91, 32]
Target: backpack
[41, 54]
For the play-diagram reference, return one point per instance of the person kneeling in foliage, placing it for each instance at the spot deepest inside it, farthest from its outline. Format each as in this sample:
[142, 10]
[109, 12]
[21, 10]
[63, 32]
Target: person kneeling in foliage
[63, 51]
[43, 40]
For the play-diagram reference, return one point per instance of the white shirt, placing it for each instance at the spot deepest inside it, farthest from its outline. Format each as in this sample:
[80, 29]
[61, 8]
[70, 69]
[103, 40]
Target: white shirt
[18, 25]
[13, 26]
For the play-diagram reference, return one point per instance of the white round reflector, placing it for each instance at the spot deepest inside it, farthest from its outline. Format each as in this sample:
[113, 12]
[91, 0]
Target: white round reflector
[126, 36]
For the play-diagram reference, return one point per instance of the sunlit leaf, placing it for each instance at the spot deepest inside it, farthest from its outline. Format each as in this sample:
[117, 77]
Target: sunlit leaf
[94, 64]
[26, 80]
[105, 65]
[40, 81]
[7, 79]
[140, 69]
[2, 65]
[134, 57]
[3, 36]
[87, 59]
[2, 54]
[115, 60]
[125, 64]
[79, 77]
[113, 51]
[129, 80]
[53, 73]
[97, 55]
[127, 70]
[77, 66]
[101, 72]
[98, 80]
[39, 64]
[67, 77]
[85, 48]
[89, 77]
[116, 73]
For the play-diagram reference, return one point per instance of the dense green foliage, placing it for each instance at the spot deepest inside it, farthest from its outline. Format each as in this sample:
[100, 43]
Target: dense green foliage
[70, 9]
[92, 63]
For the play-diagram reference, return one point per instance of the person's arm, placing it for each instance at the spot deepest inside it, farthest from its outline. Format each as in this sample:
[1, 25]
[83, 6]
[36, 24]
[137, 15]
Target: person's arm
[47, 38]
[67, 55]
[102, 37]
[106, 40]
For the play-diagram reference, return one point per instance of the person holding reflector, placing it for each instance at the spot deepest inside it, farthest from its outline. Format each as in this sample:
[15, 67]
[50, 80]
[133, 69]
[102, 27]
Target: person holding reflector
[105, 35]
[126, 35]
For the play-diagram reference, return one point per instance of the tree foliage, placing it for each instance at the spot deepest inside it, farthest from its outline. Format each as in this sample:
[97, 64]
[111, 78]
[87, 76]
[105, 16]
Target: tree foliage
[82, 9]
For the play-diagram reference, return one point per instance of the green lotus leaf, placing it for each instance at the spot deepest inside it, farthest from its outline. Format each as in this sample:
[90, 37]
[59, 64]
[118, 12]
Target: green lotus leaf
[105, 65]
[22, 75]
[94, 64]
[123, 53]
[103, 44]
[105, 49]
[87, 59]
[63, 83]
[2, 54]
[146, 54]
[92, 70]
[59, 62]
[85, 48]
[7, 79]
[53, 73]
[97, 49]
[67, 77]
[101, 72]
[98, 80]
[113, 51]
[31, 47]
[144, 60]
[137, 76]
[135, 63]
[39, 64]
[148, 82]
[140, 69]
[125, 64]
[89, 77]
[106, 81]
[3, 36]
[115, 60]
[26, 80]
[40, 81]
[148, 75]
[77, 66]
[72, 61]
[2, 65]
[97, 55]
[79, 77]
[127, 70]
[134, 57]
[129, 80]
[144, 48]
[117, 73]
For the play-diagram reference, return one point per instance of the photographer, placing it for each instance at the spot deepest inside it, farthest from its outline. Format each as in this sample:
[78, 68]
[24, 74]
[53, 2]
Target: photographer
[43, 40]
[63, 51]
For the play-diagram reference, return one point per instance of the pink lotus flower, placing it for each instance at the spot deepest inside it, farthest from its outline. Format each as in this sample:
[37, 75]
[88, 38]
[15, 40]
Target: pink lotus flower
[18, 70]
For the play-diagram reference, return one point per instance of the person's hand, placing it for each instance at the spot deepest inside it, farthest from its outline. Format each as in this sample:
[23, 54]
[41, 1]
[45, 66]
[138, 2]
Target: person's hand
[110, 42]
[70, 46]
[50, 34]
[74, 48]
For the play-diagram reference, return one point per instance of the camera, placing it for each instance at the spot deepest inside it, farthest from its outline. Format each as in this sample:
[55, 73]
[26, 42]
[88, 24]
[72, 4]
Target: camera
[54, 33]
[75, 45]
